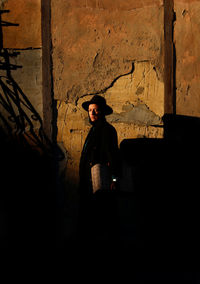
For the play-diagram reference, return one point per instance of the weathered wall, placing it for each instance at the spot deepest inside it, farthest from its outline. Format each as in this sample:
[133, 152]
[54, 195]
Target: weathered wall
[97, 41]
[2, 2]
[187, 42]
[28, 15]
[138, 107]
[21, 57]
[114, 48]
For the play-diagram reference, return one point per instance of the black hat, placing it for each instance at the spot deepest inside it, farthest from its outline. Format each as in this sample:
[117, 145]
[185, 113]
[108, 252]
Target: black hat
[101, 102]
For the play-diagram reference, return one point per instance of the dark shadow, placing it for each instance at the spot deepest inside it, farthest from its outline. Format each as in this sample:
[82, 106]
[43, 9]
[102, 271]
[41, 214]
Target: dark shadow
[164, 175]
[29, 164]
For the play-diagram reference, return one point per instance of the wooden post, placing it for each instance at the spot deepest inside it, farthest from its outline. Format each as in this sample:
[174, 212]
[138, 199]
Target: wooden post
[169, 58]
[47, 85]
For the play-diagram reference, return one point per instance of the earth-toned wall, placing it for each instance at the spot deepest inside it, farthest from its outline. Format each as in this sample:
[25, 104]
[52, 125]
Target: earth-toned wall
[186, 39]
[21, 69]
[95, 42]
[111, 48]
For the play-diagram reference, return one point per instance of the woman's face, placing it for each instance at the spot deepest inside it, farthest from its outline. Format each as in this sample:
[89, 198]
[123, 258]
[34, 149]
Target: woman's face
[94, 112]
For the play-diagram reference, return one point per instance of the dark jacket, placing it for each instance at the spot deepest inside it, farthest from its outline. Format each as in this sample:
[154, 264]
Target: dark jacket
[101, 146]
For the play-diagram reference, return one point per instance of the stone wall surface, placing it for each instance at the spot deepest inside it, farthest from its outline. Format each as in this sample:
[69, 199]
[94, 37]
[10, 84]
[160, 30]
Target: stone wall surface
[27, 14]
[2, 2]
[111, 48]
[95, 42]
[134, 53]
[21, 65]
[187, 42]
[26, 81]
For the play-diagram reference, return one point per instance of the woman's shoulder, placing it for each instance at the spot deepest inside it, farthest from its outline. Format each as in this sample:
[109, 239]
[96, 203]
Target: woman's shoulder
[109, 128]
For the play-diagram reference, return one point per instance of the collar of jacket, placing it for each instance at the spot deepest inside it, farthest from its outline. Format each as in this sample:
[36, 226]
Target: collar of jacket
[98, 123]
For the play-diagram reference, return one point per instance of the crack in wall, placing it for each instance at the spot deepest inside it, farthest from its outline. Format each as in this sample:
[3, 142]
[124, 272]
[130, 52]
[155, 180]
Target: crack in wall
[103, 91]
[95, 59]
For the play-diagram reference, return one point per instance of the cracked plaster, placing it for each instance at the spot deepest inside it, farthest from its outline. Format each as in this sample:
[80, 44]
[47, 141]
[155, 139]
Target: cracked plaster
[139, 114]
[93, 47]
